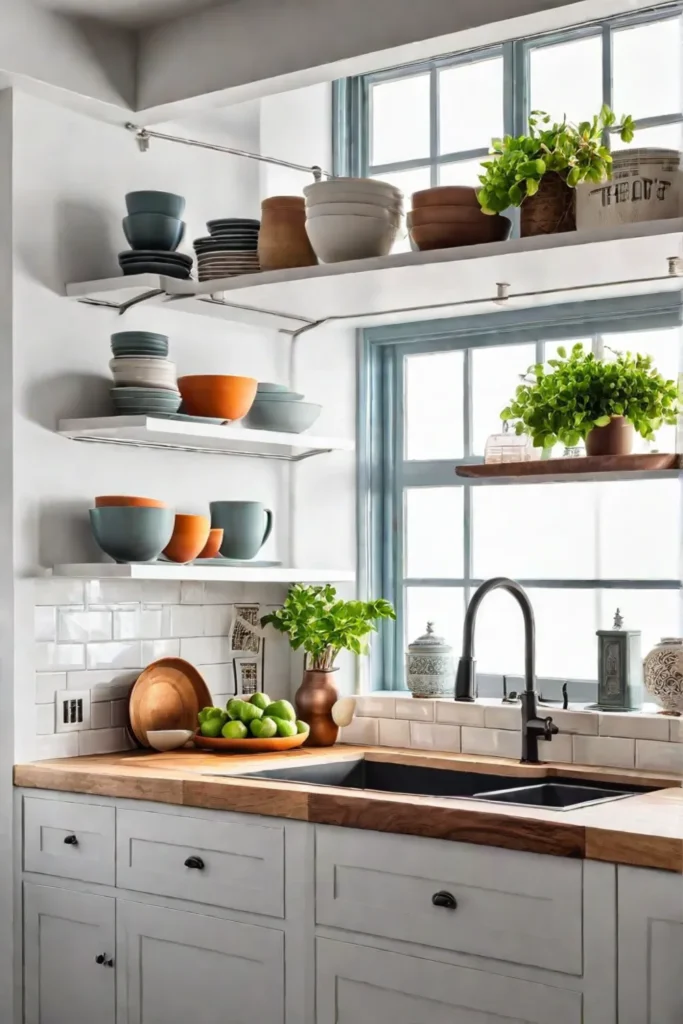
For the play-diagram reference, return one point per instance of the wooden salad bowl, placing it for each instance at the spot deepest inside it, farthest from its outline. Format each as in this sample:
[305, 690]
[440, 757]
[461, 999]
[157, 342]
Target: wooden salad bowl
[250, 746]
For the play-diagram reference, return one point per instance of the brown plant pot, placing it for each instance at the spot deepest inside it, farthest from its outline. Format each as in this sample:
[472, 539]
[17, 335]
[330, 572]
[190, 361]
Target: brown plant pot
[614, 439]
[551, 210]
[283, 241]
[314, 701]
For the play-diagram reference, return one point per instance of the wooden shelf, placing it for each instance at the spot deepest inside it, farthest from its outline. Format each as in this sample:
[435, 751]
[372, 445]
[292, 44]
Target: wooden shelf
[585, 469]
[215, 438]
[630, 260]
[201, 573]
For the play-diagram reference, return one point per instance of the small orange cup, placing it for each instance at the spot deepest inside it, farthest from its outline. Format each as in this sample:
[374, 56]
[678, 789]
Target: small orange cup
[213, 545]
[190, 534]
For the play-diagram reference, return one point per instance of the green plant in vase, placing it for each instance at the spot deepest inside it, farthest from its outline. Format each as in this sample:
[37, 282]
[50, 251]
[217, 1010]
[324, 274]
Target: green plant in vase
[599, 401]
[321, 623]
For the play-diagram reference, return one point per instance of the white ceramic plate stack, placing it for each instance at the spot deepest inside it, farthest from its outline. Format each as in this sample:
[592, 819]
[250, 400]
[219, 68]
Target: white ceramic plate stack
[144, 371]
[230, 248]
[145, 380]
[352, 218]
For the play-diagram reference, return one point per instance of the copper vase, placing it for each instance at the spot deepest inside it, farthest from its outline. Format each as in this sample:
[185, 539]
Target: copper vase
[314, 701]
[614, 439]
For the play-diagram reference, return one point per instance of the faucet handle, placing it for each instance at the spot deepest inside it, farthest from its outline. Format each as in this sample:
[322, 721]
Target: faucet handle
[549, 728]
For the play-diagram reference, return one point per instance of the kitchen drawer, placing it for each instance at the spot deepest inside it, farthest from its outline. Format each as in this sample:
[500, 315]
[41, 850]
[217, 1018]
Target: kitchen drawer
[69, 839]
[523, 908]
[237, 866]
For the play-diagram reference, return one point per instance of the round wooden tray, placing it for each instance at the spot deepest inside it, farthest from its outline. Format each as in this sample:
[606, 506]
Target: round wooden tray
[250, 746]
[169, 694]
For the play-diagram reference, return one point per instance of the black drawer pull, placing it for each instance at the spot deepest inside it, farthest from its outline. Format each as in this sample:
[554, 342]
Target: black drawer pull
[71, 840]
[195, 862]
[444, 899]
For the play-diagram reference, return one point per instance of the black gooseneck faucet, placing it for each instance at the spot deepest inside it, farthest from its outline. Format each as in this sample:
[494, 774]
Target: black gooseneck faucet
[533, 726]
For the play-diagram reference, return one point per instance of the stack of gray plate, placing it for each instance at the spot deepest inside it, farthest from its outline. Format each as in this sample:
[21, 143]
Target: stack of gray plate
[230, 248]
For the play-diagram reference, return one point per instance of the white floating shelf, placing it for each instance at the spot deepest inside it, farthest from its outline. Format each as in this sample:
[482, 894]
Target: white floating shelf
[183, 435]
[201, 573]
[630, 260]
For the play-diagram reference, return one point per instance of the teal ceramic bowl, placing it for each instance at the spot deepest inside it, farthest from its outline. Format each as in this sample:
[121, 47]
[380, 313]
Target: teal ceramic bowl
[278, 396]
[266, 387]
[132, 534]
[153, 231]
[155, 202]
[291, 417]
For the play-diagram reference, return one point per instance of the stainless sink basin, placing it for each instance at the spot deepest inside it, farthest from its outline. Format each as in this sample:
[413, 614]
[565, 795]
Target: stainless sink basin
[390, 777]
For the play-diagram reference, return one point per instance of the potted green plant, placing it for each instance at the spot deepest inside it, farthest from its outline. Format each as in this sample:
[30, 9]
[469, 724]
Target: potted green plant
[596, 400]
[321, 623]
[539, 171]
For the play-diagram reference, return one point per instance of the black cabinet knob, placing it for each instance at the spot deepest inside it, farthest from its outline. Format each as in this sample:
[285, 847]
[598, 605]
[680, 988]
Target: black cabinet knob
[194, 862]
[444, 899]
[100, 959]
[103, 961]
[108, 963]
[71, 840]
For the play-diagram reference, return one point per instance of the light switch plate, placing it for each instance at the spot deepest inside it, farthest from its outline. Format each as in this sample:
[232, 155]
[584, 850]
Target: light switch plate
[72, 710]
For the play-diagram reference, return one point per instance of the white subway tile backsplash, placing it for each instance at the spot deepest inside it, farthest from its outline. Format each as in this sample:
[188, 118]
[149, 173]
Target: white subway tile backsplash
[137, 624]
[116, 654]
[47, 684]
[44, 623]
[105, 593]
[219, 678]
[88, 680]
[217, 619]
[393, 733]
[583, 723]
[429, 736]
[503, 716]
[184, 620]
[83, 627]
[376, 707]
[458, 713]
[161, 592]
[102, 741]
[119, 713]
[415, 710]
[45, 719]
[58, 590]
[557, 749]
[493, 742]
[604, 750]
[676, 730]
[362, 731]
[63, 744]
[653, 756]
[152, 650]
[59, 656]
[207, 650]
[634, 726]
[192, 593]
[100, 715]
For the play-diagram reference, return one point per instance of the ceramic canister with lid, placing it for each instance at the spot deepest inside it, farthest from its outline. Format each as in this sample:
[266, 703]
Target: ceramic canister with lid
[430, 669]
[646, 184]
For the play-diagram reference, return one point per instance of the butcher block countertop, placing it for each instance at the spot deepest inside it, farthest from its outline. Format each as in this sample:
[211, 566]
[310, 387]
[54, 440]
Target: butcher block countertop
[645, 830]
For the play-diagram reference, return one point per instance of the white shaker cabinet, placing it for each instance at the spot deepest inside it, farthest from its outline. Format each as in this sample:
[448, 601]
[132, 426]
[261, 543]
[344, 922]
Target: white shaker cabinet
[650, 943]
[69, 968]
[176, 966]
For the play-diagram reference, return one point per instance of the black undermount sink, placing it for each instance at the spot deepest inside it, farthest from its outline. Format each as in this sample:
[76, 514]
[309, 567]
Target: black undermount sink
[389, 777]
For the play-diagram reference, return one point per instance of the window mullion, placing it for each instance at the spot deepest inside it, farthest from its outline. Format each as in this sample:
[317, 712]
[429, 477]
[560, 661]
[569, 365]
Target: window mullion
[467, 493]
[433, 126]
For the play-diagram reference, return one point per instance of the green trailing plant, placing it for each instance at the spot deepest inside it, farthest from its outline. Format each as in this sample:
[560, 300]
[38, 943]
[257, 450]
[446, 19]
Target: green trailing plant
[575, 151]
[580, 392]
[317, 620]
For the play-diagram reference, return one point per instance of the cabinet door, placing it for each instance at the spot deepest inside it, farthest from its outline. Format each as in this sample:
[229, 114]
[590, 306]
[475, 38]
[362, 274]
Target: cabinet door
[650, 947]
[176, 966]
[64, 932]
[358, 985]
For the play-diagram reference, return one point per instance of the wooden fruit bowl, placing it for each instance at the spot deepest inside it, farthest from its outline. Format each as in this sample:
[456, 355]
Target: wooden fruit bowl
[250, 746]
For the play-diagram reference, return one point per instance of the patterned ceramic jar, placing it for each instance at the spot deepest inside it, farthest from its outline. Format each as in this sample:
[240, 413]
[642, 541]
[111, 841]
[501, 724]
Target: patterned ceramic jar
[430, 670]
[663, 668]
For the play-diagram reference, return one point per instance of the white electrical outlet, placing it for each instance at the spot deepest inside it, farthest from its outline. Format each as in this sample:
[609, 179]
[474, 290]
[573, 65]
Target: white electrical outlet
[72, 710]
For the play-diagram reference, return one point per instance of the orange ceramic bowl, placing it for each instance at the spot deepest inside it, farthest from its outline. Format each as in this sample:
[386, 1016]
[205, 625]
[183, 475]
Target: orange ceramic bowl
[190, 534]
[213, 545]
[223, 397]
[128, 500]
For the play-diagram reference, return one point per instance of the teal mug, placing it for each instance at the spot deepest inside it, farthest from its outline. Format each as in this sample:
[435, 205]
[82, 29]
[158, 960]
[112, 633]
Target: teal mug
[246, 526]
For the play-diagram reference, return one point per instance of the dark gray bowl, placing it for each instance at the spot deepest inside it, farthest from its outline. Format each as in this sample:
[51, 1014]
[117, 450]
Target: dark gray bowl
[292, 417]
[155, 202]
[132, 534]
[153, 231]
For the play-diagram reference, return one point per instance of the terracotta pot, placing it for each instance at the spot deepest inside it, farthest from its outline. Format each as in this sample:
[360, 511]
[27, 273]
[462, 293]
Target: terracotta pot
[451, 215]
[283, 242]
[614, 439]
[551, 210]
[446, 236]
[213, 545]
[446, 195]
[314, 701]
[189, 537]
[222, 397]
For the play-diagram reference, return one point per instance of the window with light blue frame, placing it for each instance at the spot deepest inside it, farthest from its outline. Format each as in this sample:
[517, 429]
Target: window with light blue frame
[430, 393]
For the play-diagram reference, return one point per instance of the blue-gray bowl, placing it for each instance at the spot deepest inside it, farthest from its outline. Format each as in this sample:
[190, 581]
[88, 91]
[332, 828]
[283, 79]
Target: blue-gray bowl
[291, 417]
[153, 231]
[155, 202]
[132, 534]
[139, 343]
[278, 396]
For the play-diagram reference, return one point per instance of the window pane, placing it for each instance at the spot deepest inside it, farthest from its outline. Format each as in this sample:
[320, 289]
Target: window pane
[495, 375]
[655, 51]
[463, 172]
[656, 613]
[664, 136]
[566, 79]
[444, 606]
[434, 409]
[400, 120]
[470, 105]
[534, 531]
[639, 529]
[409, 182]
[434, 532]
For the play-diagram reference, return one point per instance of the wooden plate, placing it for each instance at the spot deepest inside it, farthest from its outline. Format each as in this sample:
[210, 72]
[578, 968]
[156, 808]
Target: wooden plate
[169, 694]
[651, 462]
[250, 746]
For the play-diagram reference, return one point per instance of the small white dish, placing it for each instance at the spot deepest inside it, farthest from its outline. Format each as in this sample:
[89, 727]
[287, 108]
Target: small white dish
[168, 739]
[343, 711]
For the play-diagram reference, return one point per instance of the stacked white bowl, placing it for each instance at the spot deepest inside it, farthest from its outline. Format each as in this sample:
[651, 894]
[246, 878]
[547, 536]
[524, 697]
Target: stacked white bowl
[352, 218]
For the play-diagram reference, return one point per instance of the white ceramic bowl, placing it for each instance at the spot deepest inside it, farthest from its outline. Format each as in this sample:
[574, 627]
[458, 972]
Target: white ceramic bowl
[169, 739]
[143, 371]
[374, 199]
[328, 190]
[348, 237]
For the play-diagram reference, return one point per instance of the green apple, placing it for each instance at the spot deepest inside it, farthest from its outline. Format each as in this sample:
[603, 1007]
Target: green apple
[261, 700]
[235, 730]
[263, 728]
[281, 709]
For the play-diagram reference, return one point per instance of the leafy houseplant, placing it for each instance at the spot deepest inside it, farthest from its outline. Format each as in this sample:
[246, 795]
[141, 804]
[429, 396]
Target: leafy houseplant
[581, 393]
[317, 620]
[551, 158]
